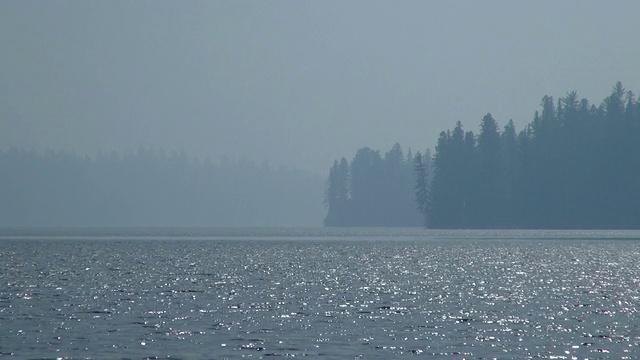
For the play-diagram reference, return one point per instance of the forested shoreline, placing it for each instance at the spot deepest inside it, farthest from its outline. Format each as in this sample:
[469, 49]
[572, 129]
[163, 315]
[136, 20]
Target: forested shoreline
[575, 165]
[150, 187]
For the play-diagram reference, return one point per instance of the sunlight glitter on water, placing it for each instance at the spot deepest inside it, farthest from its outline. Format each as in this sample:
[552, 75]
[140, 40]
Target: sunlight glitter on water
[377, 299]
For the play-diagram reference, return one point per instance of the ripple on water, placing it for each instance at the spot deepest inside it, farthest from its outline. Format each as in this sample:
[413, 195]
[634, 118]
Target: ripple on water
[372, 299]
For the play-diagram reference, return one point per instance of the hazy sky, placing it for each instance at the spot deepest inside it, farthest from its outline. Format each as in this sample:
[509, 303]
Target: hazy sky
[296, 82]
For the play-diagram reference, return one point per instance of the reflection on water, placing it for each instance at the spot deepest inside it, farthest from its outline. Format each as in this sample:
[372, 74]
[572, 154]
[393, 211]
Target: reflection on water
[432, 296]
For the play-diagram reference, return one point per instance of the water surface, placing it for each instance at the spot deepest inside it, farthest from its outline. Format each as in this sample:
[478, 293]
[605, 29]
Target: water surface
[328, 293]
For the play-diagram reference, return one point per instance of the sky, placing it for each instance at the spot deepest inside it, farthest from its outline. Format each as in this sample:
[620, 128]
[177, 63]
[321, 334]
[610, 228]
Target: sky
[296, 83]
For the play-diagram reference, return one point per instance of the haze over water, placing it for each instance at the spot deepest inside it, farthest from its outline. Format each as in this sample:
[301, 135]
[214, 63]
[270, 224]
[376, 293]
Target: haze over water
[327, 293]
[231, 114]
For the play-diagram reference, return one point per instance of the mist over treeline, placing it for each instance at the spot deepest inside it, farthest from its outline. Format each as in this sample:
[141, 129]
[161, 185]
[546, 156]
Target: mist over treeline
[151, 187]
[372, 190]
[575, 165]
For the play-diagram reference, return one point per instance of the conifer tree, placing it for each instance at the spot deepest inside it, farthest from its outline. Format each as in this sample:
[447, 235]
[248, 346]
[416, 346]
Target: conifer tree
[421, 186]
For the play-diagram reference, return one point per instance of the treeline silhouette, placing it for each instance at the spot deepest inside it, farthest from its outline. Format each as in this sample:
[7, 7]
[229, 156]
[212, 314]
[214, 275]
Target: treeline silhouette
[372, 190]
[152, 188]
[575, 165]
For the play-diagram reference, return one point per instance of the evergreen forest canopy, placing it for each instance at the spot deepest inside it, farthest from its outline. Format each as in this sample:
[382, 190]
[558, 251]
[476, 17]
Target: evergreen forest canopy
[152, 188]
[575, 165]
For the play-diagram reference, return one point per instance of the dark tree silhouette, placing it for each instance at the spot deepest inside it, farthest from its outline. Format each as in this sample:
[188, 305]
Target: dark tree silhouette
[337, 193]
[379, 190]
[574, 165]
[422, 186]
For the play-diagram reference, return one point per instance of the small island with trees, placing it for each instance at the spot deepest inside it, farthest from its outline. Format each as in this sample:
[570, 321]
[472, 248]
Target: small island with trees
[574, 166]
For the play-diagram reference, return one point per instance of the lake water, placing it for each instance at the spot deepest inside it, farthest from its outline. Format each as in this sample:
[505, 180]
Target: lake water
[325, 293]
